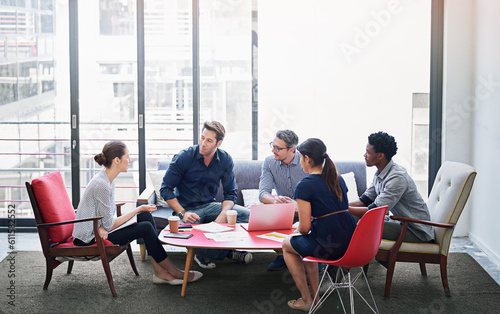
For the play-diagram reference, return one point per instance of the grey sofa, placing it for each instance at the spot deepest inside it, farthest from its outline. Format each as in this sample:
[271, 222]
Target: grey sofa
[247, 175]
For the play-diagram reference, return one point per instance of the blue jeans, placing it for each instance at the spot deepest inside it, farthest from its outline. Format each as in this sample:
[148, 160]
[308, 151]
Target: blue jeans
[208, 213]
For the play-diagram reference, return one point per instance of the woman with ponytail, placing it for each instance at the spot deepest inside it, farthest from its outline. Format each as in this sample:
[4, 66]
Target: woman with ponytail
[98, 199]
[325, 224]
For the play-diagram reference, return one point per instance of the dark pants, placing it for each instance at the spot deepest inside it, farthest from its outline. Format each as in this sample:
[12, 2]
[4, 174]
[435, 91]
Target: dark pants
[144, 228]
[392, 230]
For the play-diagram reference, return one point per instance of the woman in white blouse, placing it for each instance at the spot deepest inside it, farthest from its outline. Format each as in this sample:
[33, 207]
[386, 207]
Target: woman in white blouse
[99, 200]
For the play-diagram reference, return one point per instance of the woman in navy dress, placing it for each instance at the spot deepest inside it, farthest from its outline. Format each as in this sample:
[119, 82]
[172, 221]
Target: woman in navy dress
[325, 224]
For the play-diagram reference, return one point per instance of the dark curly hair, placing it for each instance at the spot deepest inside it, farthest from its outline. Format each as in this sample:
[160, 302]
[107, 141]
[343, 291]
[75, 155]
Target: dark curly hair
[383, 143]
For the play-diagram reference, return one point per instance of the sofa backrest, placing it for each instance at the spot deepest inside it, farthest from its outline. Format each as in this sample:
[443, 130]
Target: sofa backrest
[359, 170]
[247, 174]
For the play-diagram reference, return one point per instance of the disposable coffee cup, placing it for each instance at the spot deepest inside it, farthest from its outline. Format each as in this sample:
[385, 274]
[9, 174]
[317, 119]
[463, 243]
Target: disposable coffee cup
[173, 222]
[231, 217]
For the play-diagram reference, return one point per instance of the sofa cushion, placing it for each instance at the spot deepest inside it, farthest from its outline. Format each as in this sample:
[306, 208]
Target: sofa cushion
[250, 197]
[352, 189]
[359, 170]
[432, 248]
[55, 205]
[155, 180]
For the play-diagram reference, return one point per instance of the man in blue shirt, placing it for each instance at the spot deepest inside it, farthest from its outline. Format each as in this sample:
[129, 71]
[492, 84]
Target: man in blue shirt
[392, 186]
[191, 184]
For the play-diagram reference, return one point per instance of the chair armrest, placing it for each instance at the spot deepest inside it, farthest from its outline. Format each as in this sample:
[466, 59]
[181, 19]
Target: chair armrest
[404, 228]
[119, 209]
[425, 222]
[148, 196]
[69, 222]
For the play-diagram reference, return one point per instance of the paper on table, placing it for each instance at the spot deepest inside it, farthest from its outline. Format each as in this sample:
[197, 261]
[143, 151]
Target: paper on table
[127, 223]
[212, 227]
[226, 236]
[275, 236]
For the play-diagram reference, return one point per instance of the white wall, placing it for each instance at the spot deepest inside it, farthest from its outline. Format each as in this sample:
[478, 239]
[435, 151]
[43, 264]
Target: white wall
[472, 110]
[484, 229]
[458, 80]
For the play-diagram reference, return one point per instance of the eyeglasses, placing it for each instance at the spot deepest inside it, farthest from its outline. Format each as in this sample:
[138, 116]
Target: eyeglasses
[276, 148]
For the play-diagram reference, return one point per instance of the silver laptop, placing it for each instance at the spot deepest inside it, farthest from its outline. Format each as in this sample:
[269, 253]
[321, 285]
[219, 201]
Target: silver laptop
[270, 217]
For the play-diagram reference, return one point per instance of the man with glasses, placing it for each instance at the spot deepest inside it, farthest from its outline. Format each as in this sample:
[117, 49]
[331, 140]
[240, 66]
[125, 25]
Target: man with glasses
[281, 171]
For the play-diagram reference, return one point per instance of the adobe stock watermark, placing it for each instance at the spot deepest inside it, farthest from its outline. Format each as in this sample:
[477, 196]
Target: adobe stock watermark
[363, 36]
[11, 258]
[280, 119]
[484, 89]
[277, 298]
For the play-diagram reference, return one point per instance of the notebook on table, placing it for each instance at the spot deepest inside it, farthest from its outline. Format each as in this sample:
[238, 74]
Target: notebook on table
[270, 217]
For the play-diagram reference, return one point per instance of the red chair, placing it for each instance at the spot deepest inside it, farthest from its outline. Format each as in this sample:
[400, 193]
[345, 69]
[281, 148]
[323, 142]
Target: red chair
[54, 217]
[362, 249]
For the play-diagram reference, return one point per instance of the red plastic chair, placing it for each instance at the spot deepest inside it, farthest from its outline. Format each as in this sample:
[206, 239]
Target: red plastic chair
[362, 249]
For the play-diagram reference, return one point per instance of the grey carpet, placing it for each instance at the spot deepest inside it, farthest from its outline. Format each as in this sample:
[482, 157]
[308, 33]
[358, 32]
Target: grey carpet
[232, 288]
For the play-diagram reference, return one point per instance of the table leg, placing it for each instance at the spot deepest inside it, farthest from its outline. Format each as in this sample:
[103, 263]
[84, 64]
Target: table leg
[189, 264]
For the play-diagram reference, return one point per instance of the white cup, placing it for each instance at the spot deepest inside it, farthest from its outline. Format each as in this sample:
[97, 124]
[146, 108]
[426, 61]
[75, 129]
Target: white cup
[231, 217]
[173, 222]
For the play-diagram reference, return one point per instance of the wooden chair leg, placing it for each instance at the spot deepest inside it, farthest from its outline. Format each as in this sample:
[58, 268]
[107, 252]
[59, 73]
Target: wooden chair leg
[142, 247]
[131, 259]
[107, 270]
[444, 275]
[388, 281]
[48, 274]
[105, 265]
[423, 271]
[70, 267]
[391, 264]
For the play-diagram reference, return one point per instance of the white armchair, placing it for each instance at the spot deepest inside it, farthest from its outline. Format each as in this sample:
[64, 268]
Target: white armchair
[447, 199]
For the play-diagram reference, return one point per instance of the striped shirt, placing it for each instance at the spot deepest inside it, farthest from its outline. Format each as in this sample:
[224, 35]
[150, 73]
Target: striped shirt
[279, 176]
[98, 200]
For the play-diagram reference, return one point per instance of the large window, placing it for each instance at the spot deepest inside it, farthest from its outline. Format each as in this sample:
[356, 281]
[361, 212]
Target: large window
[226, 71]
[34, 98]
[168, 105]
[108, 87]
[225, 74]
[330, 69]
